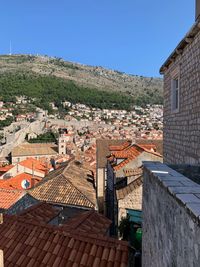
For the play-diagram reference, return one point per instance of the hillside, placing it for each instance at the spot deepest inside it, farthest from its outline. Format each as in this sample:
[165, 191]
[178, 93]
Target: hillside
[54, 79]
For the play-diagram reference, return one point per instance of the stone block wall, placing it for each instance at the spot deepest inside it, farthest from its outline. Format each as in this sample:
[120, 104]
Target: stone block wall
[101, 189]
[18, 137]
[182, 128]
[171, 222]
[132, 201]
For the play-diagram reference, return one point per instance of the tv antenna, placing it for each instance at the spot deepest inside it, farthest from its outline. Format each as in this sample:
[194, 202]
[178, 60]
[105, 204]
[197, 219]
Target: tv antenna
[10, 49]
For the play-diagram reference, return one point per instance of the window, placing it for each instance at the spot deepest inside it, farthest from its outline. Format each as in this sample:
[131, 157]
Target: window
[175, 94]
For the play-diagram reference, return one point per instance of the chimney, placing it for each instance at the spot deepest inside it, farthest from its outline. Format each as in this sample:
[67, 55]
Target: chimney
[46, 167]
[1, 251]
[32, 182]
[1, 258]
[197, 15]
[1, 218]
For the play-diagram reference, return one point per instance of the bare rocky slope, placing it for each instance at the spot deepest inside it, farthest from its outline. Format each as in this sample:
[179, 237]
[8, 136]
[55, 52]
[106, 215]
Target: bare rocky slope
[83, 75]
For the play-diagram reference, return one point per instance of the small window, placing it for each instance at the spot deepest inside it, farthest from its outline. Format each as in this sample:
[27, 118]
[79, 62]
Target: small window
[175, 93]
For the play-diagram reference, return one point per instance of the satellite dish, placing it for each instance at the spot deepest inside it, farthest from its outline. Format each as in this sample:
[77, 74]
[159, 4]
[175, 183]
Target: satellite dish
[25, 184]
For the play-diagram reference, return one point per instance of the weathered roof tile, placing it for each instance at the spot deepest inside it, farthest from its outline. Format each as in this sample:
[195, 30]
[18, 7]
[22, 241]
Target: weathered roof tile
[67, 186]
[123, 192]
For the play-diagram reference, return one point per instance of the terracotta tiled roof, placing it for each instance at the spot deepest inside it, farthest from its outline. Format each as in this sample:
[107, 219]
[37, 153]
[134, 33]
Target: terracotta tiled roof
[35, 164]
[41, 212]
[103, 151]
[28, 244]
[9, 197]
[133, 172]
[120, 147]
[150, 147]
[27, 149]
[16, 182]
[89, 222]
[68, 185]
[123, 192]
[157, 143]
[132, 153]
[6, 168]
[127, 152]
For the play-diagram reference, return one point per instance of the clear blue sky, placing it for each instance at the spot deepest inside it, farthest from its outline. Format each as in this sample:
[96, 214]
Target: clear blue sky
[133, 36]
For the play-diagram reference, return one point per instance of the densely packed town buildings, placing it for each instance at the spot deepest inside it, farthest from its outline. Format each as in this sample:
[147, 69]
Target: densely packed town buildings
[57, 185]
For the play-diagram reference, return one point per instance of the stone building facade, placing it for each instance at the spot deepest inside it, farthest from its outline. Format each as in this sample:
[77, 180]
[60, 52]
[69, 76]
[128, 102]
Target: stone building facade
[129, 197]
[182, 123]
[171, 202]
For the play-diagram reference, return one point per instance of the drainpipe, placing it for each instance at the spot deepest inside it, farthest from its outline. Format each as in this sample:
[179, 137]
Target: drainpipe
[1, 251]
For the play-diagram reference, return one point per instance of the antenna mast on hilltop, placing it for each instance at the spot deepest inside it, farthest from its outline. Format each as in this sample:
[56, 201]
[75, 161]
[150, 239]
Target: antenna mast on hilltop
[10, 49]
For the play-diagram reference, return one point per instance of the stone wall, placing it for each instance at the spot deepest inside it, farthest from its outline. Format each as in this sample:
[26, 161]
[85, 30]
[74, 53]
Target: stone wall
[18, 137]
[100, 189]
[182, 128]
[132, 201]
[171, 222]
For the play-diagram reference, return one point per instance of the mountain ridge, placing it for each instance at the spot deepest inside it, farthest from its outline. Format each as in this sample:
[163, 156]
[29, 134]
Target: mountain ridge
[94, 77]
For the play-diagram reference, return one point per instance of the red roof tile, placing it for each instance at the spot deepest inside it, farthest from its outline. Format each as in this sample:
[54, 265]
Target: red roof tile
[130, 153]
[149, 148]
[9, 197]
[6, 168]
[89, 221]
[35, 164]
[16, 182]
[68, 185]
[120, 147]
[123, 192]
[41, 212]
[20, 240]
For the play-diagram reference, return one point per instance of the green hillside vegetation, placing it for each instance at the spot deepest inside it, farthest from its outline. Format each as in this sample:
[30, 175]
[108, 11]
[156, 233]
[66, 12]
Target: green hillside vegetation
[55, 80]
[48, 137]
[46, 89]
[5, 123]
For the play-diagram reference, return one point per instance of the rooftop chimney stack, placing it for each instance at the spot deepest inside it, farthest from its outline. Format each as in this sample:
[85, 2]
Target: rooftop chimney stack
[1, 218]
[197, 10]
[1, 251]
[1, 258]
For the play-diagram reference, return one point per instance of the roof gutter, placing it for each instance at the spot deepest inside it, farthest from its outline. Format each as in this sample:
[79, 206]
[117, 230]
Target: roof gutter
[189, 37]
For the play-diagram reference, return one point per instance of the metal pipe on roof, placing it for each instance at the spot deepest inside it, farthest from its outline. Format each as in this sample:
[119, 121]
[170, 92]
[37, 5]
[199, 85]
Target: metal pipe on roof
[197, 13]
[1, 258]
